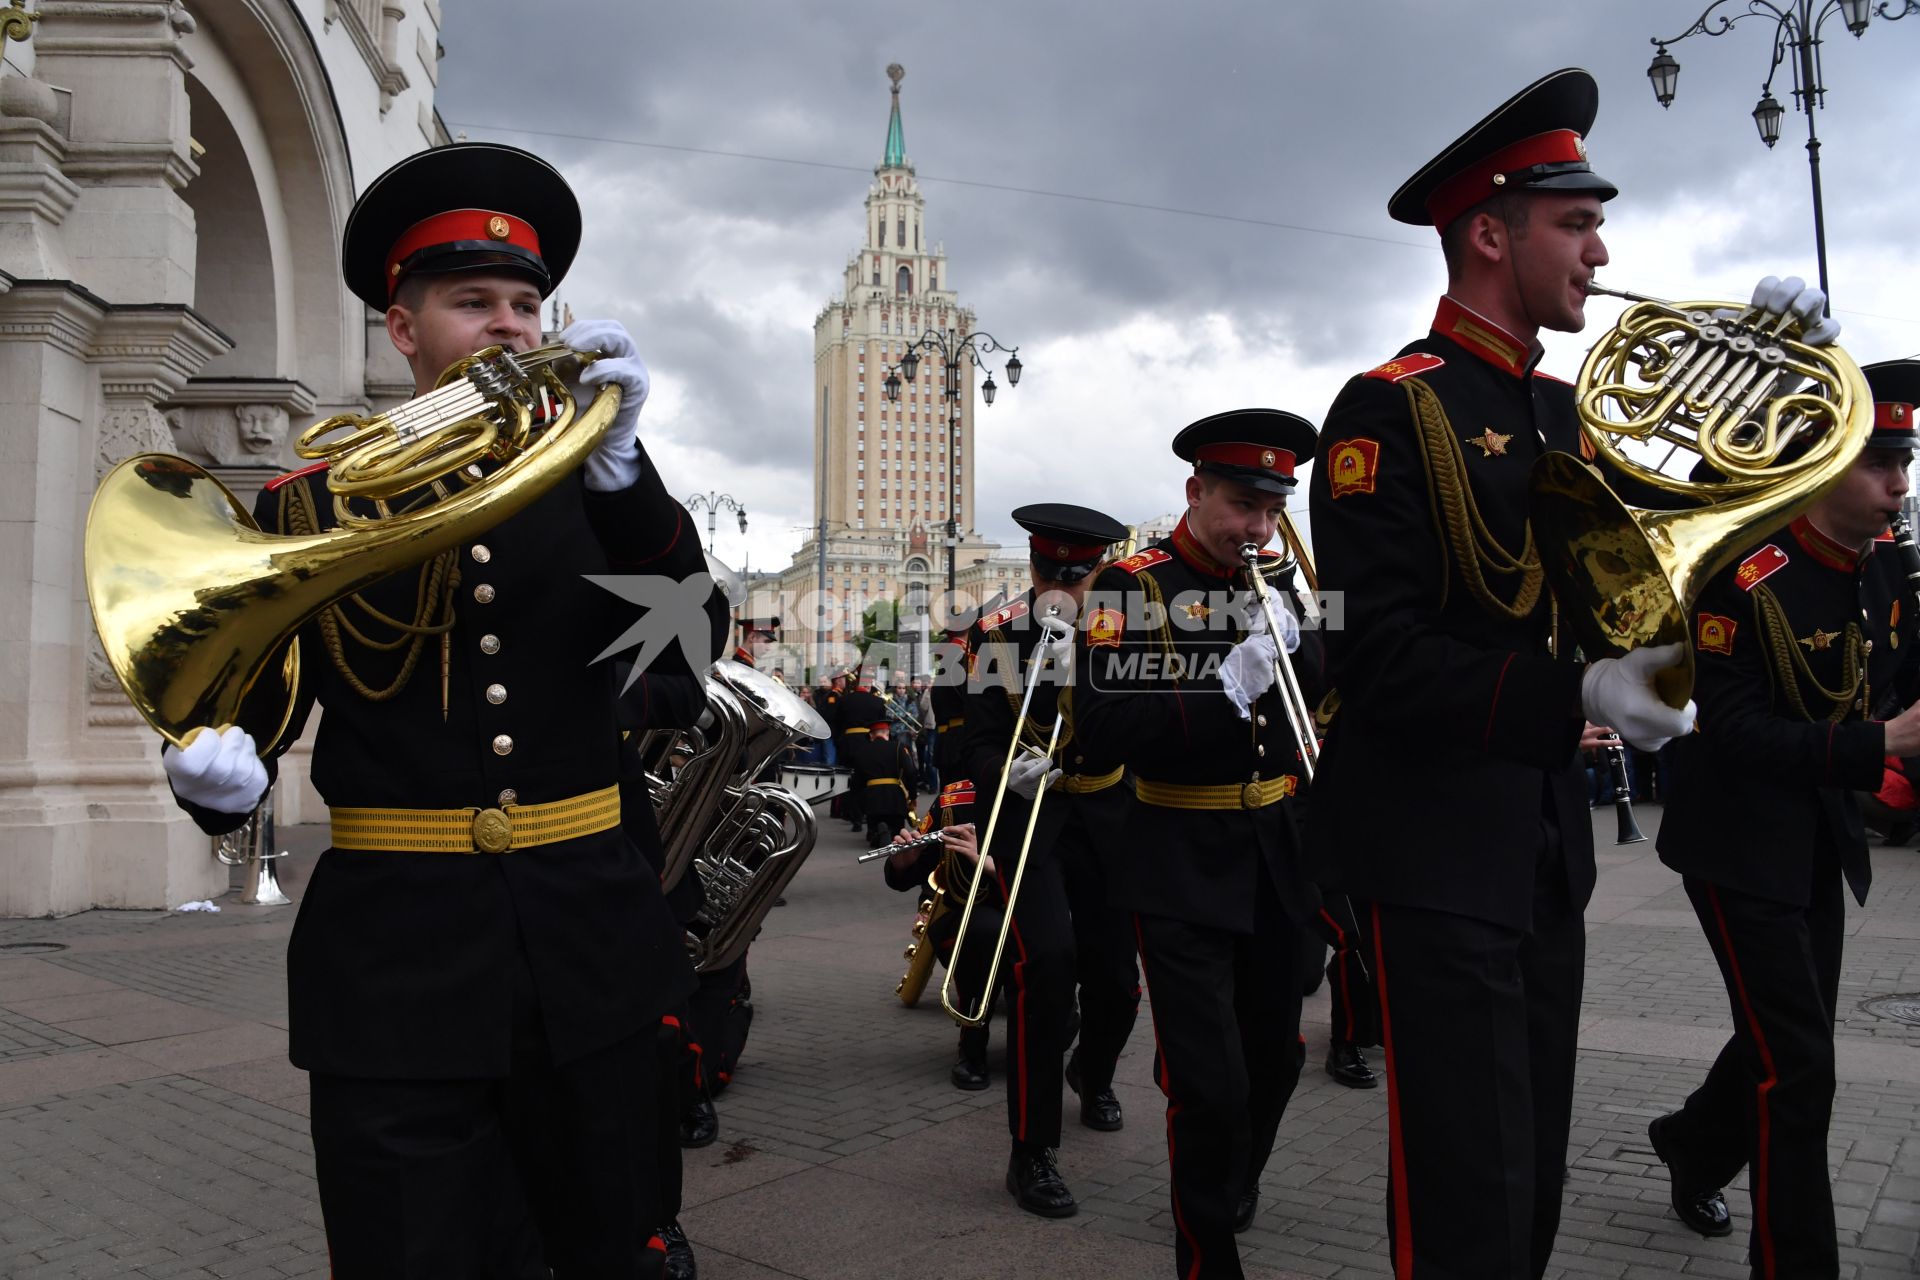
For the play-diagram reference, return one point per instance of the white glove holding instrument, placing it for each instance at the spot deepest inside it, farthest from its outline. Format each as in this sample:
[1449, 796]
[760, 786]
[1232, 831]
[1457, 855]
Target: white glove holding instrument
[1779, 297]
[1055, 653]
[1029, 773]
[1620, 692]
[1248, 669]
[615, 462]
[218, 771]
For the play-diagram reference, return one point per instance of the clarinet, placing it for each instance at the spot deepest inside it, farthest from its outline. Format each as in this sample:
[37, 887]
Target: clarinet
[1909, 554]
[1629, 831]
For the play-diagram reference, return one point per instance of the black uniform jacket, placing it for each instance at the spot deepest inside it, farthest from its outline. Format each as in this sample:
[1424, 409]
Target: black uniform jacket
[401, 965]
[1003, 646]
[948, 695]
[1457, 731]
[884, 775]
[1775, 762]
[1147, 694]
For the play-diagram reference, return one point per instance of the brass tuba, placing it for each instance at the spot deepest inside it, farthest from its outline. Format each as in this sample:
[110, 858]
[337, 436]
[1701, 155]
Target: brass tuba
[744, 838]
[197, 608]
[1674, 385]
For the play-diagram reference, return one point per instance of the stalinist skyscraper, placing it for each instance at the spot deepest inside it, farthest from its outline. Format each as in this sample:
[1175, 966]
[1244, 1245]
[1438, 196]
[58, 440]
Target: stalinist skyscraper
[888, 475]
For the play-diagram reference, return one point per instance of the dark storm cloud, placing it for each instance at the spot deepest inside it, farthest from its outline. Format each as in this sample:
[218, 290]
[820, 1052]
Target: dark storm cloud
[1302, 114]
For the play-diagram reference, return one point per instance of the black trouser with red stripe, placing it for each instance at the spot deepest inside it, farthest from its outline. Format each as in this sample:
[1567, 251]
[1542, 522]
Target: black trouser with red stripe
[717, 1029]
[677, 1061]
[1479, 1028]
[1103, 946]
[1038, 973]
[1226, 1027]
[1766, 1102]
[1354, 1009]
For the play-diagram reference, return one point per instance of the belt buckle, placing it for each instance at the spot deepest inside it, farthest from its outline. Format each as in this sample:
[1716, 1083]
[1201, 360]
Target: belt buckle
[1250, 795]
[492, 831]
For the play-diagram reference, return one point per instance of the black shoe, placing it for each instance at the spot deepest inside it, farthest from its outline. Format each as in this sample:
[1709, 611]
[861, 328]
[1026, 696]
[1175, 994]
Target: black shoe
[1037, 1185]
[1099, 1110]
[1702, 1208]
[1244, 1211]
[1899, 833]
[699, 1124]
[970, 1074]
[680, 1265]
[1348, 1065]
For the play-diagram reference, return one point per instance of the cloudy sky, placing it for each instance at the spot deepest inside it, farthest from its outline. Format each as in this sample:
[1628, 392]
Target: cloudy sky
[1172, 209]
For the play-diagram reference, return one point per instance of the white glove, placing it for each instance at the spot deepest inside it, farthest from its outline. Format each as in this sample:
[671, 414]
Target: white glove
[1778, 297]
[218, 771]
[1056, 652]
[615, 462]
[1620, 692]
[1029, 774]
[1248, 671]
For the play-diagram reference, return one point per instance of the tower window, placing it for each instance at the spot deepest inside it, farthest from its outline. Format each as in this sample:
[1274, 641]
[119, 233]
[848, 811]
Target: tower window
[900, 232]
[903, 281]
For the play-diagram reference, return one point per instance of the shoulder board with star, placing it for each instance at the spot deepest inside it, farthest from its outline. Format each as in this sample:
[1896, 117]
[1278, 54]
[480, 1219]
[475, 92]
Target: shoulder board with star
[1144, 559]
[282, 481]
[1405, 366]
[1003, 615]
[1759, 566]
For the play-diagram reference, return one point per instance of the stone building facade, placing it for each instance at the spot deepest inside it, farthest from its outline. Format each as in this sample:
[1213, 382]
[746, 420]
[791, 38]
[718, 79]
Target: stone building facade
[174, 180]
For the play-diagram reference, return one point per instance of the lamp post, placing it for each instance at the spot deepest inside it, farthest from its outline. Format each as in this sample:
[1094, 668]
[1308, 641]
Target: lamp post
[1796, 40]
[953, 350]
[713, 503]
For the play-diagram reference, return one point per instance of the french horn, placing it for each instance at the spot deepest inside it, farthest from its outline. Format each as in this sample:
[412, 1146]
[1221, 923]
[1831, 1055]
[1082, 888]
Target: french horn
[1723, 419]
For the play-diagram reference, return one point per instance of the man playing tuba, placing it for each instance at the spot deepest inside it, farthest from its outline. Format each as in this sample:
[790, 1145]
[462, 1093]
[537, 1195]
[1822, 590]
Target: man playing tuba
[477, 1020]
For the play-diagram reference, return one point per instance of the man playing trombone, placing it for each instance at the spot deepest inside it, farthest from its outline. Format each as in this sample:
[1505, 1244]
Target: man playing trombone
[1176, 679]
[1063, 930]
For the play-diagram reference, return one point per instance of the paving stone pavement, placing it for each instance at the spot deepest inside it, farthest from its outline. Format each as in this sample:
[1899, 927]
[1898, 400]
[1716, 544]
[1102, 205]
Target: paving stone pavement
[151, 1126]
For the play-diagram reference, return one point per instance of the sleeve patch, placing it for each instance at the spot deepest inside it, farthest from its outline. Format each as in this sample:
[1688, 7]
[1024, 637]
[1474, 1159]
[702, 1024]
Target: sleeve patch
[1405, 366]
[1144, 559]
[1759, 566]
[1715, 634]
[1353, 466]
[1104, 628]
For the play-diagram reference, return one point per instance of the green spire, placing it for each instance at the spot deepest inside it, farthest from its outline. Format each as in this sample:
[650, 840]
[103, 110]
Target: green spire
[896, 136]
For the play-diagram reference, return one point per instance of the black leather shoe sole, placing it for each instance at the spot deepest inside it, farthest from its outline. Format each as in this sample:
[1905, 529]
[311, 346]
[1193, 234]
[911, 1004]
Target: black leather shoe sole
[1044, 1208]
[965, 1077]
[1364, 1078]
[1093, 1119]
[1703, 1211]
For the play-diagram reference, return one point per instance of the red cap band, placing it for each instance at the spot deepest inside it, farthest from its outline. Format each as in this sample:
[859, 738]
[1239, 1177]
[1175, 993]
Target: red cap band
[1892, 415]
[1261, 457]
[1065, 552]
[1470, 186]
[454, 226]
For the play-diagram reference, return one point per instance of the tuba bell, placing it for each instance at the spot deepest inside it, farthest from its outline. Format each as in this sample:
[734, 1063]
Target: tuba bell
[197, 608]
[744, 838]
[1724, 417]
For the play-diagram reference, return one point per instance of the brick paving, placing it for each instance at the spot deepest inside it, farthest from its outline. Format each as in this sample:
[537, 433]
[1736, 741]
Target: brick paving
[151, 1126]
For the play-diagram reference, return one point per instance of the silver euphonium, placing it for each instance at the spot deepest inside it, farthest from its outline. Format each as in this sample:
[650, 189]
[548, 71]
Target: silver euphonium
[743, 837]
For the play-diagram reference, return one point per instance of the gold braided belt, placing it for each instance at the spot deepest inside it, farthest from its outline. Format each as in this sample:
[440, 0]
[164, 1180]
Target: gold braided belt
[1080, 784]
[954, 723]
[1233, 795]
[503, 830]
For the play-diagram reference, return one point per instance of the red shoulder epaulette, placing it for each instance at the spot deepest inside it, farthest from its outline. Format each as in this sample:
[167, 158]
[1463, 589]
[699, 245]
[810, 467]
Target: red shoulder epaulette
[1885, 535]
[1405, 366]
[1144, 559]
[1003, 615]
[1759, 566]
[281, 481]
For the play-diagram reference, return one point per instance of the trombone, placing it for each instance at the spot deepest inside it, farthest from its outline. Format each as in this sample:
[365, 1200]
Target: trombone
[1293, 698]
[1050, 626]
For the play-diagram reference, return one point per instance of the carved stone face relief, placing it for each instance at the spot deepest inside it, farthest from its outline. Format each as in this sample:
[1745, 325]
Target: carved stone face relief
[261, 428]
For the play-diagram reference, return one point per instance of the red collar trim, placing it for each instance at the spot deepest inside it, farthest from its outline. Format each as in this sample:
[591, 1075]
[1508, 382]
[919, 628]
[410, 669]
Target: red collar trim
[1196, 556]
[1483, 337]
[1834, 555]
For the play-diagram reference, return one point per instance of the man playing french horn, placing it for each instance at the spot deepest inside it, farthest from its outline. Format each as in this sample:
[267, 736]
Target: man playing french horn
[476, 1014]
[1420, 502]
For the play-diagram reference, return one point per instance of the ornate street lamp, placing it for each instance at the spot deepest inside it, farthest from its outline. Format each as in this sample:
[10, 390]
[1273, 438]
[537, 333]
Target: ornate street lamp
[1796, 41]
[952, 350]
[713, 503]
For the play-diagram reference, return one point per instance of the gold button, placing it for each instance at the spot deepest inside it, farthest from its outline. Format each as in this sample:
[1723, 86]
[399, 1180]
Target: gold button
[1261, 721]
[480, 554]
[489, 644]
[496, 694]
[508, 796]
[483, 593]
[1261, 749]
[503, 745]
